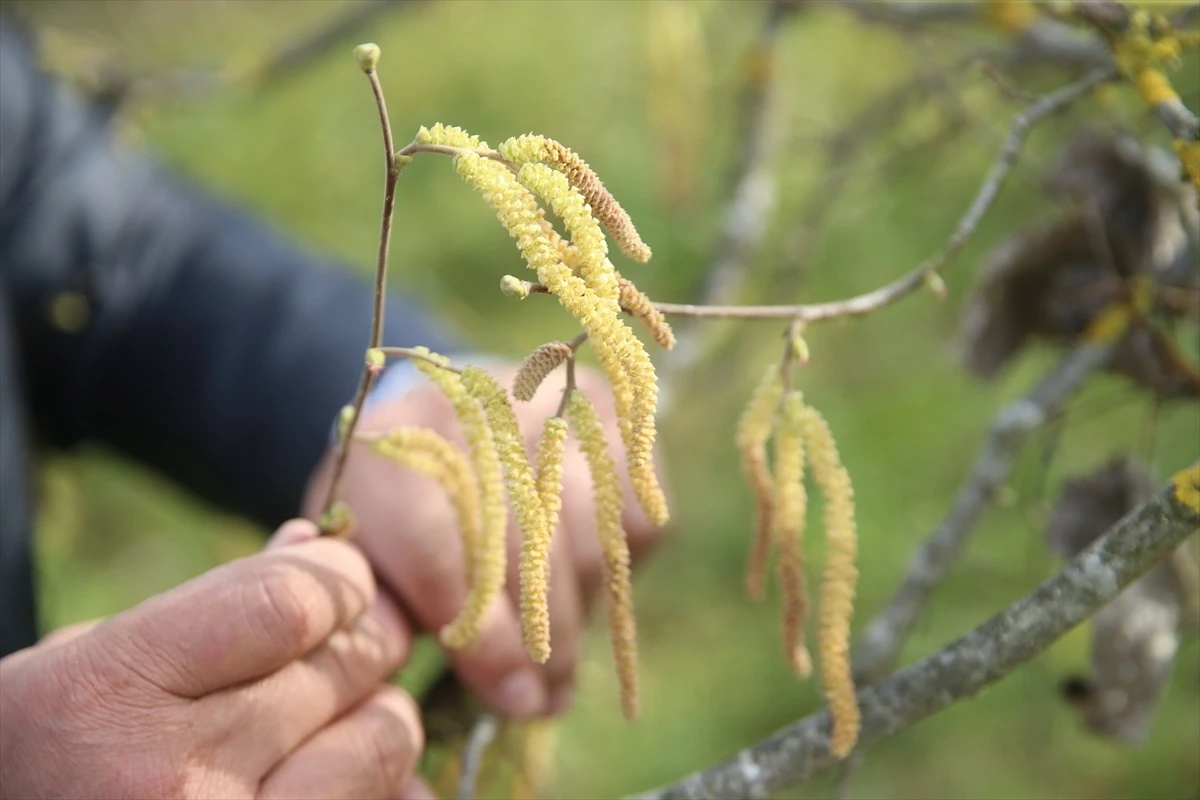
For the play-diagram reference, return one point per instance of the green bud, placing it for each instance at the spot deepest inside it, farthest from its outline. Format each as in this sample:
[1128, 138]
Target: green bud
[338, 522]
[344, 419]
[935, 284]
[375, 359]
[512, 286]
[367, 56]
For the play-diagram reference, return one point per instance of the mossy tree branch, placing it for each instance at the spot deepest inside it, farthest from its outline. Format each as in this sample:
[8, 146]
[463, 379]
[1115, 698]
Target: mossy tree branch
[962, 669]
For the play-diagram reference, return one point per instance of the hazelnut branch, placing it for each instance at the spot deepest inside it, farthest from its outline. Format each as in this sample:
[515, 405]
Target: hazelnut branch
[331, 522]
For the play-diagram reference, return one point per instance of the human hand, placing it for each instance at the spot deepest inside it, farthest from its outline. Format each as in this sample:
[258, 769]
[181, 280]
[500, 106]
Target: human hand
[263, 678]
[407, 527]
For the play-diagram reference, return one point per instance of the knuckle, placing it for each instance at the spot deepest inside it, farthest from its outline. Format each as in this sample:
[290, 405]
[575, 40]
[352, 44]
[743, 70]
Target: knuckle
[392, 742]
[278, 607]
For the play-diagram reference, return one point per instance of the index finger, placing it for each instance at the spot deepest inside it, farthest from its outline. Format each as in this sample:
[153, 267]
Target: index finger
[242, 620]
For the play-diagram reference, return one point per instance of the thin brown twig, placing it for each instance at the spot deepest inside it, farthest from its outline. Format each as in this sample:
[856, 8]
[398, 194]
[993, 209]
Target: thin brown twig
[1143, 538]
[377, 310]
[568, 387]
[409, 352]
[869, 302]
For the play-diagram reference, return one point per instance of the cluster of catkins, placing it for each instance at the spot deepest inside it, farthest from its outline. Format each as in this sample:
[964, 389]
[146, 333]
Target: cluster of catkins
[802, 437]
[576, 269]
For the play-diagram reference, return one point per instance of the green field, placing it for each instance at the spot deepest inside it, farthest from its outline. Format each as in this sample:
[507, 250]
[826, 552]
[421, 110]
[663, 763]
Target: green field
[302, 153]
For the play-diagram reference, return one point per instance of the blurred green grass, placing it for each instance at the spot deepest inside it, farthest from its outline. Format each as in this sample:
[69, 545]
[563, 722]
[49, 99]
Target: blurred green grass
[303, 155]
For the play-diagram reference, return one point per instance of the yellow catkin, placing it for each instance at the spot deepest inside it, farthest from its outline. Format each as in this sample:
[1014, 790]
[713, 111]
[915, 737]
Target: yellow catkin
[605, 208]
[620, 352]
[591, 249]
[617, 348]
[606, 487]
[838, 583]
[426, 451]
[550, 468]
[791, 506]
[526, 503]
[536, 366]
[448, 135]
[636, 303]
[753, 430]
[536, 746]
[489, 558]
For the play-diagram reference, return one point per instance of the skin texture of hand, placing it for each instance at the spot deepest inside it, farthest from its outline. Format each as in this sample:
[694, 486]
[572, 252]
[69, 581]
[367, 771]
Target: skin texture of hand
[407, 528]
[264, 678]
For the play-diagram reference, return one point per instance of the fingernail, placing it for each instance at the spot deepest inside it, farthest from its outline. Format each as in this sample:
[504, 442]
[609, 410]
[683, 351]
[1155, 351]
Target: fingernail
[522, 695]
[292, 532]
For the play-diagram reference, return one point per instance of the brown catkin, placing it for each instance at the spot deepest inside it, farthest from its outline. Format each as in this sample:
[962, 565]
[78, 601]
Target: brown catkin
[489, 558]
[606, 487]
[605, 208]
[536, 366]
[838, 583]
[791, 508]
[753, 430]
[636, 303]
[525, 501]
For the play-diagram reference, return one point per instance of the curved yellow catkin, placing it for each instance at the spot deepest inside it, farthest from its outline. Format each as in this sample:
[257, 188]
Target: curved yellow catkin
[790, 508]
[606, 487]
[489, 558]
[448, 135]
[753, 430]
[536, 366]
[618, 349]
[524, 498]
[620, 352]
[591, 249]
[530, 148]
[838, 583]
[638, 304]
[428, 452]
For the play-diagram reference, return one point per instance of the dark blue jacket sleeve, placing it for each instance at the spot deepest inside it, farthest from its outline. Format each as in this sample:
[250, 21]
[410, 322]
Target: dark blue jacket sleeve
[163, 321]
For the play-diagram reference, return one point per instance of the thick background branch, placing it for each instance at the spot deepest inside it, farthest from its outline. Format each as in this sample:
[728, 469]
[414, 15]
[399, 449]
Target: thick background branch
[961, 670]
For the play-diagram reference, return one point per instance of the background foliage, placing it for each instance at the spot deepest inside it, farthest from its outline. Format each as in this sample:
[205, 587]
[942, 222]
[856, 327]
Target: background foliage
[302, 153]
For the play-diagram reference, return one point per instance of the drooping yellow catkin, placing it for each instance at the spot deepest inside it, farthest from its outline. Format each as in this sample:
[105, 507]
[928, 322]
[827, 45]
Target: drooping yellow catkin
[426, 451]
[619, 351]
[591, 249]
[526, 503]
[536, 366]
[633, 301]
[449, 135]
[753, 430]
[838, 582]
[550, 468]
[620, 348]
[605, 208]
[488, 561]
[535, 550]
[790, 508]
[606, 487]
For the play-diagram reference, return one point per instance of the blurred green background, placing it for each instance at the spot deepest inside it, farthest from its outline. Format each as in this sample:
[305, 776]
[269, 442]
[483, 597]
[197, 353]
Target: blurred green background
[302, 152]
